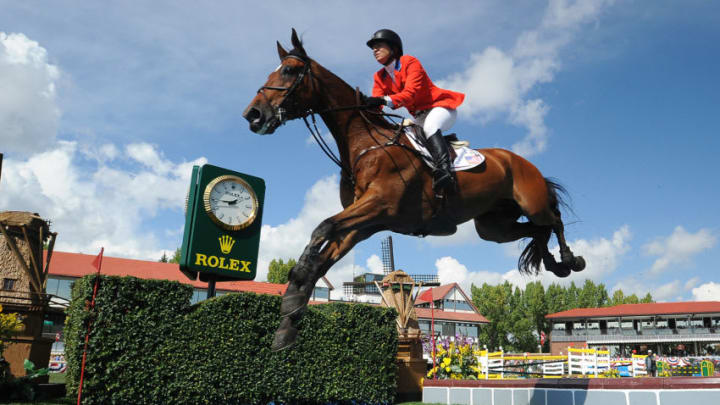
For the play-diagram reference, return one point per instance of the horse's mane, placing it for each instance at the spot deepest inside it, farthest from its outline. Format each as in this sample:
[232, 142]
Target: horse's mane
[376, 119]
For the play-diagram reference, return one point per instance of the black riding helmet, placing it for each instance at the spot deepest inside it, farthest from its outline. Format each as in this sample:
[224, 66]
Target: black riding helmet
[388, 36]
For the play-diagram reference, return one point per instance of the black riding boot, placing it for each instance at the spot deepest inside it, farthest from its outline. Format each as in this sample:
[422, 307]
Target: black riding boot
[442, 175]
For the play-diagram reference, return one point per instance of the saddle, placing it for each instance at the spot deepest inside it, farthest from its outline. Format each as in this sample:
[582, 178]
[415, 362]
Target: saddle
[461, 155]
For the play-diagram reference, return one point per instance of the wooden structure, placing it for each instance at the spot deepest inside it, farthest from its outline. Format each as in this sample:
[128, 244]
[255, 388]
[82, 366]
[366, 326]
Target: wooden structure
[23, 275]
[399, 291]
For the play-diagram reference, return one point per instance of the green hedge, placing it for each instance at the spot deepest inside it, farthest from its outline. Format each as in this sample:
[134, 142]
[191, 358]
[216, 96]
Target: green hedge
[148, 345]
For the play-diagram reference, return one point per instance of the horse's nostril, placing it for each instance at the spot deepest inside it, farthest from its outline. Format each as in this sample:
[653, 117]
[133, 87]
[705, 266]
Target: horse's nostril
[253, 114]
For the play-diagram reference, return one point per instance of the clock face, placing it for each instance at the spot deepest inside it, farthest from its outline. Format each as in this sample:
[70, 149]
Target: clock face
[230, 202]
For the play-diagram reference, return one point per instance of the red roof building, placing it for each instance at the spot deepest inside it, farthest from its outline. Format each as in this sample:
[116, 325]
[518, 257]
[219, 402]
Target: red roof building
[670, 328]
[69, 266]
[454, 312]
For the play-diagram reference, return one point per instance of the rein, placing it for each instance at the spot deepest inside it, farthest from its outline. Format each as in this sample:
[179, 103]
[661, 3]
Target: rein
[283, 114]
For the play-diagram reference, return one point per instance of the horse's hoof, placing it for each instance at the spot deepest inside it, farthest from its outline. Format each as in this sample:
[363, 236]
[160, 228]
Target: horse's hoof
[560, 271]
[284, 339]
[578, 264]
[567, 258]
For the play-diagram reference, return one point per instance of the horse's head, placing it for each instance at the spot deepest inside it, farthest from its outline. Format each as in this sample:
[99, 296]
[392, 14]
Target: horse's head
[287, 93]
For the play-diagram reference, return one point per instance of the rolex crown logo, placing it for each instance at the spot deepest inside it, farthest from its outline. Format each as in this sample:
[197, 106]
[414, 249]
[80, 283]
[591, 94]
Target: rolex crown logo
[226, 243]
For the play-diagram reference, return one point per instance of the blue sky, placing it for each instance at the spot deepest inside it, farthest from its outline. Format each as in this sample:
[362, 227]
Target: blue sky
[105, 108]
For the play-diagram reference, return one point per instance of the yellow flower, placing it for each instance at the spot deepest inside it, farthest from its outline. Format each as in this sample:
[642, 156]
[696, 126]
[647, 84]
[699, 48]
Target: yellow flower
[447, 369]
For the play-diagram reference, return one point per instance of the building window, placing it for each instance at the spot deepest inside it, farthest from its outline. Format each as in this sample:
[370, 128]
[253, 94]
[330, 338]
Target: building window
[321, 293]
[198, 295]
[448, 329]
[467, 329]
[8, 283]
[60, 287]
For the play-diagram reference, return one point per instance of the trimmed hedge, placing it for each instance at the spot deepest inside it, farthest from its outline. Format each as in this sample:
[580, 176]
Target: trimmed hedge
[148, 345]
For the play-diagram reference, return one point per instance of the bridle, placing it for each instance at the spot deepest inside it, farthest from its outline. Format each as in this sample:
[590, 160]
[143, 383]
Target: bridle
[283, 114]
[280, 111]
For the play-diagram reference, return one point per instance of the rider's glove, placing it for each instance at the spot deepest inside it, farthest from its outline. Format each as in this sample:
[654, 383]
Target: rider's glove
[372, 102]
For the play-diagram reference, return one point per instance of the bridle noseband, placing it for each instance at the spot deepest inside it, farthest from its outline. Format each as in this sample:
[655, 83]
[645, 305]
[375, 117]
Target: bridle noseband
[280, 111]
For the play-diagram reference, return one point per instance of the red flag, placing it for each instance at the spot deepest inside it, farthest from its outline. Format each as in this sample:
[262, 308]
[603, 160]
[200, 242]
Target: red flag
[98, 260]
[427, 295]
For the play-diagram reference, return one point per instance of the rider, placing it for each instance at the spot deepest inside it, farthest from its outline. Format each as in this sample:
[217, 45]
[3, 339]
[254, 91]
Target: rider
[402, 82]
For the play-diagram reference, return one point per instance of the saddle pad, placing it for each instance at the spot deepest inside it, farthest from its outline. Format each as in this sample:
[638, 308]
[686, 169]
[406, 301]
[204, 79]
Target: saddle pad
[466, 158]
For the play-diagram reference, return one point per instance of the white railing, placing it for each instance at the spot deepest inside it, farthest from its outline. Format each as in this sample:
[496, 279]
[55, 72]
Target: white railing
[491, 364]
[553, 369]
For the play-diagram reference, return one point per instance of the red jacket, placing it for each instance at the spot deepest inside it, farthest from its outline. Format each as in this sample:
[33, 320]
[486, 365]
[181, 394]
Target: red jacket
[413, 88]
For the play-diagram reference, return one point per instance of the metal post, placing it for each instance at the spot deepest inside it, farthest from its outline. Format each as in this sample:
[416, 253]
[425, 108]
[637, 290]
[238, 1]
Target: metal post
[211, 287]
[1, 156]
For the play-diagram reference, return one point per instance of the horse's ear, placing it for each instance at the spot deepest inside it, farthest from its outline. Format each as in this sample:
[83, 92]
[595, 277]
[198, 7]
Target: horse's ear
[282, 53]
[297, 43]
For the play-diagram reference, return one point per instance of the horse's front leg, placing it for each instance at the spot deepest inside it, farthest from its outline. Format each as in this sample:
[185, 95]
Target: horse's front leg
[330, 241]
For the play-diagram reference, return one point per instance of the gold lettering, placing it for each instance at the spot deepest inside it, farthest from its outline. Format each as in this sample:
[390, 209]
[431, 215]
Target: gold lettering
[210, 261]
[222, 264]
[234, 263]
[245, 265]
[200, 259]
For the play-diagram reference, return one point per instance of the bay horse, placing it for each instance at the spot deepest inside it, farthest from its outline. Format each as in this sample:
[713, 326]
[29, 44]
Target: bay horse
[384, 185]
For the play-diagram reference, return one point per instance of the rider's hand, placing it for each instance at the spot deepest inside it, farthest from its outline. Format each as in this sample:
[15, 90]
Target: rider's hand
[372, 102]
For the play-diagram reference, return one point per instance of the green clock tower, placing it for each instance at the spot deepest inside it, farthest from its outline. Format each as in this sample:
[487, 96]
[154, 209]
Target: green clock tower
[222, 225]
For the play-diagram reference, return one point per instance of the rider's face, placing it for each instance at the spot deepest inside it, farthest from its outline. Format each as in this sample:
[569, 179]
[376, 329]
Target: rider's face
[382, 52]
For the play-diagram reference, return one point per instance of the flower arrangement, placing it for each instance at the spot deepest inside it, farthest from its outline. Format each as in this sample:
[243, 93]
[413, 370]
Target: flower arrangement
[456, 360]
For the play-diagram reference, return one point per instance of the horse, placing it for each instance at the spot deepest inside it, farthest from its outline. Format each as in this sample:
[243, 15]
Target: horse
[384, 185]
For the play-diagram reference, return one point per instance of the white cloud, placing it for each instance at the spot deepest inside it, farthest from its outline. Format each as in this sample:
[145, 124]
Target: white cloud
[602, 256]
[29, 114]
[709, 291]
[104, 205]
[496, 83]
[678, 248]
[287, 241]
[375, 264]
[670, 291]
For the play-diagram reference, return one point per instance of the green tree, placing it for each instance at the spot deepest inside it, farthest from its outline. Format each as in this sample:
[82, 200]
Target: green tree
[572, 296]
[176, 256]
[647, 299]
[592, 295]
[495, 303]
[632, 299]
[164, 258]
[556, 298]
[618, 298]
[536, 306]
[278, 271]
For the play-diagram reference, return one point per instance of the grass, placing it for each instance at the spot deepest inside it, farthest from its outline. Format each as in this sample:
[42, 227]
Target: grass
[57, 378]
[68, 401]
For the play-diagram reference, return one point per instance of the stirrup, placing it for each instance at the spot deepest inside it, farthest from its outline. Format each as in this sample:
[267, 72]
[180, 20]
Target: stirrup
[442, 182]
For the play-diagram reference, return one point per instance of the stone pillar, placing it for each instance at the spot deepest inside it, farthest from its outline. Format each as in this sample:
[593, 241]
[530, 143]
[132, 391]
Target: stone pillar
[397, 292]
[412, 368]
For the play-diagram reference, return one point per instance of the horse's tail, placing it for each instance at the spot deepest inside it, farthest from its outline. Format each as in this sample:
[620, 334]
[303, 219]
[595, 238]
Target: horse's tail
[536, 250]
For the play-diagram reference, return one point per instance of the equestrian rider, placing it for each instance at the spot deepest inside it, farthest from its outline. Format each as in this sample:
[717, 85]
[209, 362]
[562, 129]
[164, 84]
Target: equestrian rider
[402, 82]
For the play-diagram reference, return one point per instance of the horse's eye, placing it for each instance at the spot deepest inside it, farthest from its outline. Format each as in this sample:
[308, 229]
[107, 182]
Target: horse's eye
[288, 70]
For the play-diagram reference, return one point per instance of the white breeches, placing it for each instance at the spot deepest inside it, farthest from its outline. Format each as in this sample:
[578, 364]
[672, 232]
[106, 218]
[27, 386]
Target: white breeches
[437, 118]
